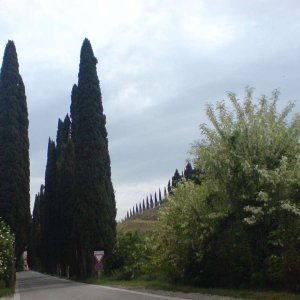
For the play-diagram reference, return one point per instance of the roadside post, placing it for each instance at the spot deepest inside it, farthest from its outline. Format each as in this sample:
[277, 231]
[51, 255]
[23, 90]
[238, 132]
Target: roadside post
[98, 266]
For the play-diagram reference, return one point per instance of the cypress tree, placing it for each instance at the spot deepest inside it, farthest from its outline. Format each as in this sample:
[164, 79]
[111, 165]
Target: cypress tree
[176, 178]
[14, 150]
[35, 248]
[151, 201]
[155, 200]
[50, 210]
[188, 171]
[140, 207]
[169, 188]
[159, 197]
[147, 203]
[64, 195]
[144, 207]
[136, 208]
[95, 213]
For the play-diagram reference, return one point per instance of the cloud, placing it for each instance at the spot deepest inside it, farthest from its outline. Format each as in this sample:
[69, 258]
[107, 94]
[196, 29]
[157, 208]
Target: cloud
[160, 62]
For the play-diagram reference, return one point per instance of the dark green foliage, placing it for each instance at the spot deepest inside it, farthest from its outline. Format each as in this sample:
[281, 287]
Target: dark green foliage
[188, 171]
[65, 195]
[155, 200]
[176, 178]
[94, 195]
[14, 150]
[129, 256]
[51, 208]
[169, 188]
[159, 197]
[151, 202]
[35, 249]
[7, 268]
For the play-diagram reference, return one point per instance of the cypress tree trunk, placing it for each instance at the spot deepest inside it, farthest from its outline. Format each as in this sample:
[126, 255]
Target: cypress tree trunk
[94, 195]
[14, 150]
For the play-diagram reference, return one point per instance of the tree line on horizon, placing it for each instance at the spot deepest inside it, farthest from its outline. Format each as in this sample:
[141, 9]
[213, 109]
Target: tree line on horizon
[189, 173]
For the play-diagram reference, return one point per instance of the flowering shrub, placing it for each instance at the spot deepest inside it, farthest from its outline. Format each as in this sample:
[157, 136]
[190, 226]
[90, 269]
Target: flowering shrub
[241, 227]
[7, 241]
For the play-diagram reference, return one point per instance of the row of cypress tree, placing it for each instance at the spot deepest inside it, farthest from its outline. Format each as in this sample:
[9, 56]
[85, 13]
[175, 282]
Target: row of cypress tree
[189, 173]
[14, 150]
[74, 212]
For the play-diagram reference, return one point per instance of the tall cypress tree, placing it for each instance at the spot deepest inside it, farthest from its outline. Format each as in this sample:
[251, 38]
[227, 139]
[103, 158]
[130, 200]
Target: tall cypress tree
[66, 203]
[94, 201]
[14, 150]
[50, 210]
[64, 193]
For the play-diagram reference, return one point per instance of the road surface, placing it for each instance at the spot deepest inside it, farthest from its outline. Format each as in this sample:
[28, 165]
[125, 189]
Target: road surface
[36, 286]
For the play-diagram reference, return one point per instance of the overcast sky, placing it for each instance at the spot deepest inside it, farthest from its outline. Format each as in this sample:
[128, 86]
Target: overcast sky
[160, 63]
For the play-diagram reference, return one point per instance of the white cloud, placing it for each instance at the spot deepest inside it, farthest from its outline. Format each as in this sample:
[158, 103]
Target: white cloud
[159, 62]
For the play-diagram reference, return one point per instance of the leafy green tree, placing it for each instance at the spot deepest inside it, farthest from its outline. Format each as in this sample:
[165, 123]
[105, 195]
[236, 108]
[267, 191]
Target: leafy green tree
[130, 256]
[240, 226]
[14, 150]
[95, 212]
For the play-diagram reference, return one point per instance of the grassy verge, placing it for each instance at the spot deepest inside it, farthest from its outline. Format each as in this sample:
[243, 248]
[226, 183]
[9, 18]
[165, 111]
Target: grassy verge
[6, 292]
[163, 285]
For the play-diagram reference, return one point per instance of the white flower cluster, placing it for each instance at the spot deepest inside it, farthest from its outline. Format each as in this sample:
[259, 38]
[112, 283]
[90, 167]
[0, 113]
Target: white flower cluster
[290, 207]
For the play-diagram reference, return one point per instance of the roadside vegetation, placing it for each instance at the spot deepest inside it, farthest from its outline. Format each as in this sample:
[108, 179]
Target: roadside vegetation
[237, 226]
[7, 269]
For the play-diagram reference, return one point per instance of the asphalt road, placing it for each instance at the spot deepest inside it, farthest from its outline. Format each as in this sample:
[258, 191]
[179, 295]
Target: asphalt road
[36, 286]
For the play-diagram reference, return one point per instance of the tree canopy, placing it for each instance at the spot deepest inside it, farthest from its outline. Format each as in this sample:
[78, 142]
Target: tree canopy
[240, 226]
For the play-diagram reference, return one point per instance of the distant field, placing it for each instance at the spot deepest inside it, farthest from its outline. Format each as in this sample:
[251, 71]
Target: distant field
[143, 222]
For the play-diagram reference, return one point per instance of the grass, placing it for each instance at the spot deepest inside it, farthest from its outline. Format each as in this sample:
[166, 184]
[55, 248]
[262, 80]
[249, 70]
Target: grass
[142, 222]
[6, 292]
[156, 284]
[136, 225]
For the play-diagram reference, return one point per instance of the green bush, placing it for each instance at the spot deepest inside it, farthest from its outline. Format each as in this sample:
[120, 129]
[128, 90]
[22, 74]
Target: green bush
[129, 256]
[7, 241]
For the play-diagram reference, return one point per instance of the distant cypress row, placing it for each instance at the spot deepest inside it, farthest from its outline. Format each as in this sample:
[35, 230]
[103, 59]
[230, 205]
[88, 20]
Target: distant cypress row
[14, 150]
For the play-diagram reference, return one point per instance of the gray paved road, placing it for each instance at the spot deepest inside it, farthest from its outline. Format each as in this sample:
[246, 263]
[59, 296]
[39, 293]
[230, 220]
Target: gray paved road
[36, 286]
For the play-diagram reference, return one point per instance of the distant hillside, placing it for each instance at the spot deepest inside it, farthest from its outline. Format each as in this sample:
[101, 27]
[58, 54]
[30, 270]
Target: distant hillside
[143, 222]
